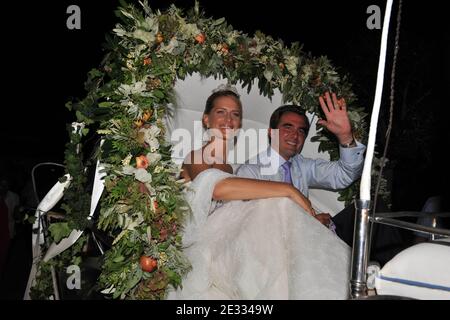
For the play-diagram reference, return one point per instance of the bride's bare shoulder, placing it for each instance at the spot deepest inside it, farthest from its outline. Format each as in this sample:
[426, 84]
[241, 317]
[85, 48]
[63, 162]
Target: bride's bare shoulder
[193, 165]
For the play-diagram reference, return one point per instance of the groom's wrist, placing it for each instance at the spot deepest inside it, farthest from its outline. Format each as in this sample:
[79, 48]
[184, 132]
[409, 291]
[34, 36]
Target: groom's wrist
[348, 142]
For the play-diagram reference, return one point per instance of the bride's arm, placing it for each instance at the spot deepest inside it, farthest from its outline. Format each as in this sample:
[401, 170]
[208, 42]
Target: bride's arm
[248, 189]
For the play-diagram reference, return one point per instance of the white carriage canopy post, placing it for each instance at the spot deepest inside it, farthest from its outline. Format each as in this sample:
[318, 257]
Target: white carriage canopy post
[361, 235]
[154, 79]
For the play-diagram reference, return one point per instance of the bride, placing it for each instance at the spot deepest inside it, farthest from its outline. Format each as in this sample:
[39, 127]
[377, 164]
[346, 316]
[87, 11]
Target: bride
[272, 247]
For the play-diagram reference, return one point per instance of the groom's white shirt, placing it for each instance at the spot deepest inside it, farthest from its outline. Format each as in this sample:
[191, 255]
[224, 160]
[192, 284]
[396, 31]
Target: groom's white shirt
[306, 172]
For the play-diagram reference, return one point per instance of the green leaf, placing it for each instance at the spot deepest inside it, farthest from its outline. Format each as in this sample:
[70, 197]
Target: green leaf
[31, 219]
[76, 260]
[218, 22]
[94, 73]
[134, 280]
[80, 116]
[105, 104]
[118, 259]
[59, 231]
[158, 93]
[69, 105]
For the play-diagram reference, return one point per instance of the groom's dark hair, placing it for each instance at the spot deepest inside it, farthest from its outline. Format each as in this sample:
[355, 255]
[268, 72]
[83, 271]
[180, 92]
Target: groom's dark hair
[276, 116]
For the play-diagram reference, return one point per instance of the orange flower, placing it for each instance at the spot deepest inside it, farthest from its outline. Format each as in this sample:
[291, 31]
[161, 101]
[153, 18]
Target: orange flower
[200, 38]
[146, 115]
[148, 264]
[156, 207]
[139, 123]
[141, 162]
[147, 61]
[225, 49]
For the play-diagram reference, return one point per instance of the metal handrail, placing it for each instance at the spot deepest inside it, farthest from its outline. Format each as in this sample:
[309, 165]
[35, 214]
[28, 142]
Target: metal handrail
[411, 226]
[417, 214]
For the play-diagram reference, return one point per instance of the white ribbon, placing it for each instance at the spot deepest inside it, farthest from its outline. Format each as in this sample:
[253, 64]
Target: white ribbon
[50, 200]
[97, 191]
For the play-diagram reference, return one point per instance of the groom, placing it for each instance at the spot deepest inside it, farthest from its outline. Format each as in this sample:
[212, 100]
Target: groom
[282, 161]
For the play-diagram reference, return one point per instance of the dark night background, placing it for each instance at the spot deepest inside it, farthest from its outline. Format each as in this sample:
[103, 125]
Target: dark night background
[47, 65]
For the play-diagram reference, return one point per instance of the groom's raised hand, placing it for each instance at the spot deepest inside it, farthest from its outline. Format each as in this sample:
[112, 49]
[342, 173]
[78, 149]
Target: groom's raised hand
[337, 120]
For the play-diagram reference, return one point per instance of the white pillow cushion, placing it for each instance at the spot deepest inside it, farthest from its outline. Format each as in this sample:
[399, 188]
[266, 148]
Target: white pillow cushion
[421, 272]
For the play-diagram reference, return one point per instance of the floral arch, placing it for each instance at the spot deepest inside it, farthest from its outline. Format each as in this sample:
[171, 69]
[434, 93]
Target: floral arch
[142, 206]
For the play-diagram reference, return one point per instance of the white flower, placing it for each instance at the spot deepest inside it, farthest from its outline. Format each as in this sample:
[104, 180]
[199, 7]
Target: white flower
[120, 32]
[162, 258]
[104, 131]
[154, 145]
[145, 36]
[154, 131]
[142, 175]
[169, 48]
[150, 24]
[158, 169]
[190, 30]
[135, 88]
[130, 64]
[126, 161]
[254, 50]
[291, 63]
[332, 75]
[128, 170]
[153, 157]
[231, 38]
[268, 75]
[150, 137]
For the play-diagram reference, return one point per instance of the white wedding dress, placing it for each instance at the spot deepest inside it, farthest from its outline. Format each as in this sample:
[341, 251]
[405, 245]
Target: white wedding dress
[258, 249]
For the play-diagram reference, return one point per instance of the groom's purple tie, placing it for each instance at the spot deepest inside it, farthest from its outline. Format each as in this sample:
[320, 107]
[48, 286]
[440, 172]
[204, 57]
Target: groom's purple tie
[287, 172]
